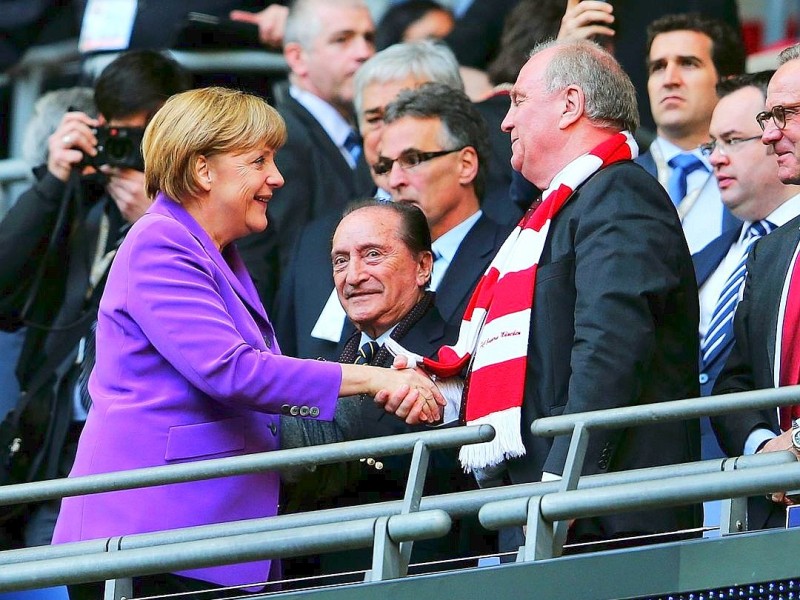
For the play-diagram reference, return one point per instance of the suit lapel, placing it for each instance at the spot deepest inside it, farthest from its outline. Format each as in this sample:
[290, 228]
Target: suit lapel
[235, 272]
[478, 244]
[361, 179]
[709, 258]
[776, 288]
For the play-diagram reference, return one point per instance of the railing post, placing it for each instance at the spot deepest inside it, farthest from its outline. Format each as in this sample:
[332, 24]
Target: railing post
[733, 511]
[420, 460]
[117, 589]
[539, 540]
[573, 466]
[386, 557]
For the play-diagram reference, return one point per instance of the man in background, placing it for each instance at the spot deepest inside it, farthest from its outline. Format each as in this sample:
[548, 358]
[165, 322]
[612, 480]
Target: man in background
[687, 55]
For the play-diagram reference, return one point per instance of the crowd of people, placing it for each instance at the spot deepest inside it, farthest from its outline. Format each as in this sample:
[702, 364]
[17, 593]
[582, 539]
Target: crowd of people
[405, 233]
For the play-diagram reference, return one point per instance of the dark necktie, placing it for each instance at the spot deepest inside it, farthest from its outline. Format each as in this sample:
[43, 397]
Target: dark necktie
[682, 166]
[366, 353]
[790, 346]
[353, 146]
[85, 368]
[719, 337]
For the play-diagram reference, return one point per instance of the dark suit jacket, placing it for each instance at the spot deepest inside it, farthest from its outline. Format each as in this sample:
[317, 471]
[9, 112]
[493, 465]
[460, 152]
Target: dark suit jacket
[318, 182]
[614, 323]
[308, 283]
[750, 364]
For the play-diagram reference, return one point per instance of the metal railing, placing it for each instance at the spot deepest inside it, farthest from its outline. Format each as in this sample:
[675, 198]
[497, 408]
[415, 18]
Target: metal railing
[540, 505]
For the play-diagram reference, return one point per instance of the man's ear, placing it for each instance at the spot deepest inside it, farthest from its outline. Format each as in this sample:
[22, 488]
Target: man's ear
[424, 269]
[202, 172]
[574, 106]
[469, 166]
[296, 58]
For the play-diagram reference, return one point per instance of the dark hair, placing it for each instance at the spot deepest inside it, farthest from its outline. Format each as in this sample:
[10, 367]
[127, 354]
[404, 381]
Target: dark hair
[462, 124]
[398, 18]
[414, 231]
[727, 46]
[758, 80]
[138, 81]
[529, 23]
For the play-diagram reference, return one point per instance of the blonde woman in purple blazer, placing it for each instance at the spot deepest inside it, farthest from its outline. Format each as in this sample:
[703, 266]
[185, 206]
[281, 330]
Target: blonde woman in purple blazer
[188, 367]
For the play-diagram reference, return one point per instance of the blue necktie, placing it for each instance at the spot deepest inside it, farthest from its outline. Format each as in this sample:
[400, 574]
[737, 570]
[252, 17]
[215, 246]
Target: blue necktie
[682, 166]
[719, 337]
[353, 146]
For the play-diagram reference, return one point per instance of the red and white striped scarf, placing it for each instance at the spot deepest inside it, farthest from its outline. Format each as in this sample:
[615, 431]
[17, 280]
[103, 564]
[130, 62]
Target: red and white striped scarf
[497, 320]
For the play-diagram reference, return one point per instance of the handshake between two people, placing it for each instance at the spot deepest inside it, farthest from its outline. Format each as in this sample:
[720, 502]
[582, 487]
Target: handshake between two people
[424, 399]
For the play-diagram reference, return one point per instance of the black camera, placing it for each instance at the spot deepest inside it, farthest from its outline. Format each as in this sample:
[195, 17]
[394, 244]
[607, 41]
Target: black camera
[118, 147]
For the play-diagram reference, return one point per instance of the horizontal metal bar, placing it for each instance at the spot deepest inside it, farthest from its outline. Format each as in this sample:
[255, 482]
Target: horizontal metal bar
[627, 497]
[514, 511]
[210, 61]
[220, 551]
[457, 505]
[650, 414]
[238, 465]
[14, 169]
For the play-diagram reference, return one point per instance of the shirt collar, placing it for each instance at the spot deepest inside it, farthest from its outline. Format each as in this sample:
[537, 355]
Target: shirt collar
[328, 117]
[447, 244]
[780, 216]
[381, 339]
[670, 151]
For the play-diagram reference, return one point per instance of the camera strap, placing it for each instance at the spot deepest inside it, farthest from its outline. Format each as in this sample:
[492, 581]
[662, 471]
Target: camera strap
[71, 190]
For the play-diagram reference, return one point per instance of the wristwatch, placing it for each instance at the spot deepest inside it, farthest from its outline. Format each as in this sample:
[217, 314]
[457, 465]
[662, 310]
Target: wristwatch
[796, 435]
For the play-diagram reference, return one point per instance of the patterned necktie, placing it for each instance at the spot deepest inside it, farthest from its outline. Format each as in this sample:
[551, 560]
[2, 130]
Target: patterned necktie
[367, 352]
[719, 337]
[353, 146]
[86, 366]
[682, 166]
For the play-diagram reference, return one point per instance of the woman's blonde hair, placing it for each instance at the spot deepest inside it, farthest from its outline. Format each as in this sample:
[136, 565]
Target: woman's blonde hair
[204, 122]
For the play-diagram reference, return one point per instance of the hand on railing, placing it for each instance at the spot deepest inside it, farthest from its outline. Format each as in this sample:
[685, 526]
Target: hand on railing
[778, 444]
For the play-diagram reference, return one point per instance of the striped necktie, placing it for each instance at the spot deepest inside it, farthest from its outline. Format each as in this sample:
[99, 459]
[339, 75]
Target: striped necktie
[719, 337]
[367, 352]
[353, 146]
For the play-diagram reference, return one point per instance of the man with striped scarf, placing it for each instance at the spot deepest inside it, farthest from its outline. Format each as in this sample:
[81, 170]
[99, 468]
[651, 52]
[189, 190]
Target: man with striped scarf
[591, 303]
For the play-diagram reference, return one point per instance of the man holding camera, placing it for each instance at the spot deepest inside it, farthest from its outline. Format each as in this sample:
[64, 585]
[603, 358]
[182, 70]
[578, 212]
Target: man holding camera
[56, 245]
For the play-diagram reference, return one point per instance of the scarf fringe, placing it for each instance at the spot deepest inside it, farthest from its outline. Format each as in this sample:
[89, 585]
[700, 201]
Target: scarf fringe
[507, 442]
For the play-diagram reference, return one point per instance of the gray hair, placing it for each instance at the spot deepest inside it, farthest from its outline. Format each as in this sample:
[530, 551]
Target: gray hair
[610, 95]
[790, 53]
[425, 60]
[47, 114]
[303, 24]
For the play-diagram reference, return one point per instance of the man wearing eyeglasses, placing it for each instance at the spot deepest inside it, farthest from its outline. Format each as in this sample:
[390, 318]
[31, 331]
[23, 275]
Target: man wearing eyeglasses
[687, 55]
[745, 171]
[766, 349]
[433, 153]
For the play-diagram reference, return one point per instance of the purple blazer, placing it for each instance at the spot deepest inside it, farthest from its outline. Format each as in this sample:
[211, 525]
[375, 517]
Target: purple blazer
[188, 368]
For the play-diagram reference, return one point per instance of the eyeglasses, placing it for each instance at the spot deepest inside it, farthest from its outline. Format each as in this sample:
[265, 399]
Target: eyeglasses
[725, 146]
[778, 114]
[409, 159]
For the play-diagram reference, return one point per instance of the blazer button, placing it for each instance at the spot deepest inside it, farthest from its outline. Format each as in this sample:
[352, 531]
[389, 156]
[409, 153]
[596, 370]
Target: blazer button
[602, 463]
[313, 412]
[304, 411]
[703, 378]
[268, 341]
[285, 409]
[294, 411]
